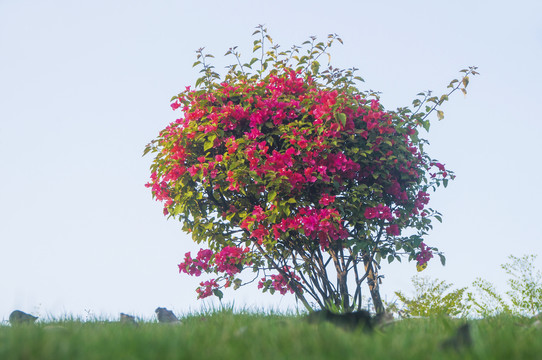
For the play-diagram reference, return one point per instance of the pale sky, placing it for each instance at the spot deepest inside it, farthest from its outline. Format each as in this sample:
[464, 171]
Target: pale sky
[84, 86]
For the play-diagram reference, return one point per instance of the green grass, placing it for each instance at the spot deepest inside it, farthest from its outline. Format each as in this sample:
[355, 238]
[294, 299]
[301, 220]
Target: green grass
[224, 335]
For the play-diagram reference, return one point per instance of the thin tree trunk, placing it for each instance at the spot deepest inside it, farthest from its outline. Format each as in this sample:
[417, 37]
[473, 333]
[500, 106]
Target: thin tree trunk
[372, 282]
[342, 300]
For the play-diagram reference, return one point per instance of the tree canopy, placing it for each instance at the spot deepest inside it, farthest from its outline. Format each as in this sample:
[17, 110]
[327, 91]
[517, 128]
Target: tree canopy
[290, 170]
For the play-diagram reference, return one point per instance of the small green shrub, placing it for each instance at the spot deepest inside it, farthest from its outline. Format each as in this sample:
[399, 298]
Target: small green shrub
[432, 297]
[525, 290]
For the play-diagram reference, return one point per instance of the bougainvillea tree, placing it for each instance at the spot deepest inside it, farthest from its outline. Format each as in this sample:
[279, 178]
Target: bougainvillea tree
[292, 172]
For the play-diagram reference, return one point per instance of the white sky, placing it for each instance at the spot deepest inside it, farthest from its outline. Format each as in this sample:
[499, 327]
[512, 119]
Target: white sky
[84, 86]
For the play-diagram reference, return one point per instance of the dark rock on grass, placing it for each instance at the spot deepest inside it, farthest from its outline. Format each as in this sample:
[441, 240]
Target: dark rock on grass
[166, 316]
[127, 319]
[18, 317]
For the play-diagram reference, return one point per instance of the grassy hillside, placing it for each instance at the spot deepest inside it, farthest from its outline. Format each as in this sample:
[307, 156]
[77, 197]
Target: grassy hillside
[224, 335]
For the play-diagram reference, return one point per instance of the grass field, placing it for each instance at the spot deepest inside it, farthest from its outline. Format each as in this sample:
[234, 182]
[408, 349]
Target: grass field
[225, 335]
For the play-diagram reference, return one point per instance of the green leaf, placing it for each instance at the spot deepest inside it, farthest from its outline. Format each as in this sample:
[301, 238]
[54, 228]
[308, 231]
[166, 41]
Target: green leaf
[271, 196]
[342, 118]
[147, 149]
[390, 258]
[426, 125]
[440, 114]
[286, 210]
[315, 66]
[442, 259]
[445, 182]
[207, 145]
[177, 210]
[218, 294]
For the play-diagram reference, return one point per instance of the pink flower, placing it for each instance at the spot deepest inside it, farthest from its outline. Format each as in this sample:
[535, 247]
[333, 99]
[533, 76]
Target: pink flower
[247, 223]
[206, 288]
[231, 259]
[439, 166]
[380, 211]
[280, 284]
[425, 254]
[183, 267]
[232, 145]
[308, 175]
[259, 233]
[393, 230]
[195, 266]
[202, 260]
[258, 213]
[193, 170]
[302, 143]
[254, 133]
[326, 199]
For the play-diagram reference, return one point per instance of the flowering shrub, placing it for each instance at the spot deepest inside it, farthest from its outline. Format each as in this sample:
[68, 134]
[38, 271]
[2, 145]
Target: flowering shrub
[297, 175]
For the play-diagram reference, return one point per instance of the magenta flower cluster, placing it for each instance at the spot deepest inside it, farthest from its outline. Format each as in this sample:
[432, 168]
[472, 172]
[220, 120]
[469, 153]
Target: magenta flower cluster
[195, 266]
[230, 260]
[380, 211]
[279, 283]
[425, 254]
